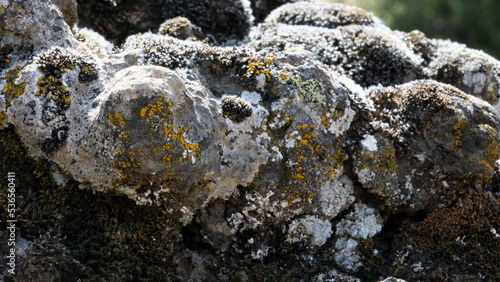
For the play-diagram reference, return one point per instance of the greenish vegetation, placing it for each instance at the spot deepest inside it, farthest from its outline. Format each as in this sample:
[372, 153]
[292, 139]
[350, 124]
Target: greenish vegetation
[474, 23]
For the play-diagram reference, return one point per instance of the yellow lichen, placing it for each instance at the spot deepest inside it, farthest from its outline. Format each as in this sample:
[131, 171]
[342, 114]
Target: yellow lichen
[159, 115]
[203, 185]
[284, 75]
[492, 152]
[12, 90]
[3, 118]
[52, 87]
[458, 128]
[257, 67]
[384, 159]
[117, 119]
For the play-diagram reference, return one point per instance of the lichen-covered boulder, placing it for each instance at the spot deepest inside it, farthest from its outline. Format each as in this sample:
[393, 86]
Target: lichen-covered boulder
[428, 140]
[323, 146]
[358, 51]
[322, 15]
[27, 28]
[472, 71]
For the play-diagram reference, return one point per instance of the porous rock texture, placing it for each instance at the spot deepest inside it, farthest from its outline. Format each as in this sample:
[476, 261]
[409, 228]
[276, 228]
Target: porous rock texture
[322, 146]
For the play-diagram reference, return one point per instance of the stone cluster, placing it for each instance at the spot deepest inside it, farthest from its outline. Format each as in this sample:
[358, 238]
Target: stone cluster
[236, 143]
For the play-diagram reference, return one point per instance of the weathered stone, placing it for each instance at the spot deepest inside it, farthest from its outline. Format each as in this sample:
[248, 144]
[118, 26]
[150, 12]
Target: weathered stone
[28, 28]
[322, 15]
[304, 153]
[430, 140]
[472, 71]
[117, 19]
[358, 51]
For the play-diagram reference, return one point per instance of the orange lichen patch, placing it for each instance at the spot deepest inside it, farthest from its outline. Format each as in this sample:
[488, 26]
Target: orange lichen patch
[329, 118]
[117, 119]
[306, 151]
[171, 132]
[292, 196]
[310, 196]
[284, 75]
[203, 185]
[257, 67]
[12, 90]
[337, 158]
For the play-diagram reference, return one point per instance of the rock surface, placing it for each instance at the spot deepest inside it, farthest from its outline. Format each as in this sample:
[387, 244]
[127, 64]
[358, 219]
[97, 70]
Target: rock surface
[301, 154]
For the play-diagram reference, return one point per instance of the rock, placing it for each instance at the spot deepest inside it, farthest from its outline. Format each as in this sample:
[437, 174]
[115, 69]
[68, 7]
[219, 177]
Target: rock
[392, 279]
[69, 9]
[181, 28]
[472, 71]
[298, 153]
[363, 60]
[431, 140]
[261, 8]
[29, 28]
[322, 15]
[116, 19]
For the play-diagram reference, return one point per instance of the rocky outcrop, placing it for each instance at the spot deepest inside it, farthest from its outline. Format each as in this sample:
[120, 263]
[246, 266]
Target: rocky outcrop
[324, 146]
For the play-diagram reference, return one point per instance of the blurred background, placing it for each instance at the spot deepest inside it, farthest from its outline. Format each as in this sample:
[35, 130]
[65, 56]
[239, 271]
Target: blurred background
[473, 22]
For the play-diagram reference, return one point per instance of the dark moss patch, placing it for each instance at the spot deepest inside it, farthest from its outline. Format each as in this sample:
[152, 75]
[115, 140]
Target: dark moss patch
[461, 237]
[57, 61]
[181, 28]
[88, 72]
[235, 109]
[108, 236]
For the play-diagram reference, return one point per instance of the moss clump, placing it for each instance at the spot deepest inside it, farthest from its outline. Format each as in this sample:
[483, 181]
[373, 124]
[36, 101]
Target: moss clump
[57, 61]
[181, 28]
[88, 72]
[235, 109]
[462, 236]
